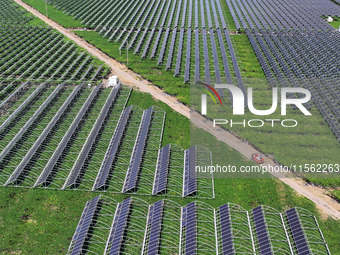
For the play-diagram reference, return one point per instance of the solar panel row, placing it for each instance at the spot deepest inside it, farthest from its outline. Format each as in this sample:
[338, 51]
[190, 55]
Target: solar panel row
[190, 224]
[189, 176]
[79, 164]
[261, 231]
[119, 225]
[226, 232]
[231, 226]
[155, 225]
[297, 232]
[138, 151]
[162, 170]
[82, 231]
[112, 150]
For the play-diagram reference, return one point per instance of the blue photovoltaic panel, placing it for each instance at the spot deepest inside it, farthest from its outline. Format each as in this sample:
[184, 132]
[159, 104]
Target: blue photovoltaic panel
[162, 170]
[84, 224]
[112, 150]
[261, 231]
[137, 156]
[155, 221]
[190, 181]
[119, 226]
[189, 222]
[227, 239]
[297, 232]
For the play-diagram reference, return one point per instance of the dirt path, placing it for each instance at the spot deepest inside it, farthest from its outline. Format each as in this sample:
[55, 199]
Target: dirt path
[327, 206]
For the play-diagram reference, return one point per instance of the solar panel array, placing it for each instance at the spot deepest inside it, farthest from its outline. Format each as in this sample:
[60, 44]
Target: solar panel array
[92, 142]
[189, 37]
[226, 231]
[12, 13]
[38, 53]
[303, 59]
[111, 152]
[290, 14]
[83, 155]
[165, 227]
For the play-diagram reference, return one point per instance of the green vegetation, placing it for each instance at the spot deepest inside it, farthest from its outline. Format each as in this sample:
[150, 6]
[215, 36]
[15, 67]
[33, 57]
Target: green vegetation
[335, 23]
[147, 68]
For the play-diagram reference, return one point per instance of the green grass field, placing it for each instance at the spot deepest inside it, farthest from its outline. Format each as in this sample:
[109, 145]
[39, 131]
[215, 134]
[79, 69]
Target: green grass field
[335, 23]
[34, 221]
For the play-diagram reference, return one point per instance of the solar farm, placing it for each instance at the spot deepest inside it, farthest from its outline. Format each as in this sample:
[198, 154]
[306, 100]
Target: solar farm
[91, 166]
[136, 227]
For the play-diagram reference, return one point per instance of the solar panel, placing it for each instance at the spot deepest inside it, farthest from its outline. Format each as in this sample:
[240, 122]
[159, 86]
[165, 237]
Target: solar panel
[118, 227]
[261, 231]
[226, 233]
[297, 232]
[79, 164]
[162, 170]
[112, 150]
[138, 151]
[190, 178]
[190, 224]
[155, 222]
[84, 225]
